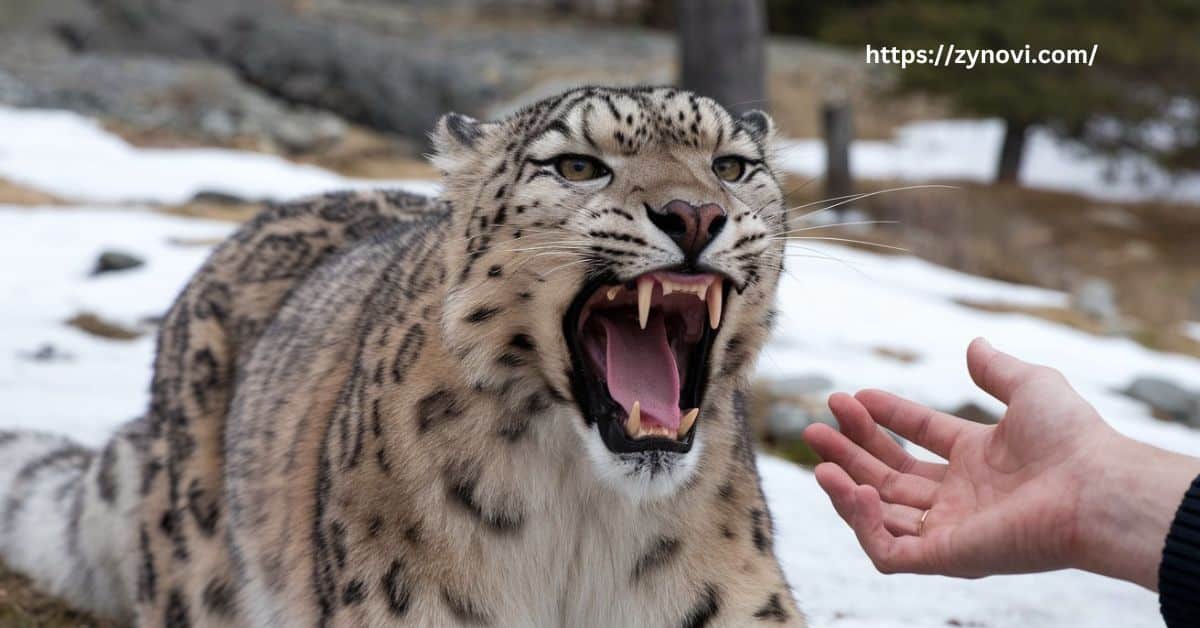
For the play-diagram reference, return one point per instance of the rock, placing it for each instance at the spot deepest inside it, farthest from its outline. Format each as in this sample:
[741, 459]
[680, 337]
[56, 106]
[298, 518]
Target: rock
[1168, 399]
[300, 134]
[787, 418]
[113, 261]
[217, 197]
[47, 353]
[790, 404]
[974, 412]
[374, 65]
[781, 409]
[800, 385]
[1097, 299]
[194, 99]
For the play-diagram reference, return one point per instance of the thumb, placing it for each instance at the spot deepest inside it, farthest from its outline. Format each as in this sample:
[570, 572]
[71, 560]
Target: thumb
[996, 372]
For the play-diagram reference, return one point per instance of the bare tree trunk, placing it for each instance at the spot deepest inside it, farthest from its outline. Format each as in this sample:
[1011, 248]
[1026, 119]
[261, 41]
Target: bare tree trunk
[839, 132]
[722, 51]
[1012, 151]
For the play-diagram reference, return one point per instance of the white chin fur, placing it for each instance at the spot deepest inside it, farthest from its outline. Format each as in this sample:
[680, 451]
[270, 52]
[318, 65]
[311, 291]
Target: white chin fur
[643, 476]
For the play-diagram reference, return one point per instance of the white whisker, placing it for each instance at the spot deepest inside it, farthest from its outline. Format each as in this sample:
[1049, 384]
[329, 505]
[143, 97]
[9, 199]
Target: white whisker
[842, 224]
[849, 240]
[855, 197]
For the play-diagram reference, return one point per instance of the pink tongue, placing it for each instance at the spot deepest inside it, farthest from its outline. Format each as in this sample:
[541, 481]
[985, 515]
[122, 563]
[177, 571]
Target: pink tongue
[641, 367]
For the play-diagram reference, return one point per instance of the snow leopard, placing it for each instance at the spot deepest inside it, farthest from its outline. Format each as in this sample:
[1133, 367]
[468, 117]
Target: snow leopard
[520, 403]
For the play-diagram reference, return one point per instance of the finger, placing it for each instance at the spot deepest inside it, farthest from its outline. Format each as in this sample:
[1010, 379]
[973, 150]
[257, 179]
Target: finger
[857, 424]
[933, 430]
[861, 508]
[902, 520]
[998, 373]
[863, 468]
[840, 488]
[889, 553]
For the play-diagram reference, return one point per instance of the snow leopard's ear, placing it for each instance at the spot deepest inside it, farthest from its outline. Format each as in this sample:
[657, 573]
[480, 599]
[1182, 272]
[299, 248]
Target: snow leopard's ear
[458, 141]
[758, 124]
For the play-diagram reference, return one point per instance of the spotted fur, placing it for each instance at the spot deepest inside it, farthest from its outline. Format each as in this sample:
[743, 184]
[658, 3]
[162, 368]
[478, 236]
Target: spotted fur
[361, 413]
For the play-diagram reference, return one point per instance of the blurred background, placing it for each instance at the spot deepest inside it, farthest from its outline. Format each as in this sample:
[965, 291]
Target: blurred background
[1053, 208]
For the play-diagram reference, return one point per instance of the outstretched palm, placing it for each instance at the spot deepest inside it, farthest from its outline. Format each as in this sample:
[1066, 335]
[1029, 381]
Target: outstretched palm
[1006, 499]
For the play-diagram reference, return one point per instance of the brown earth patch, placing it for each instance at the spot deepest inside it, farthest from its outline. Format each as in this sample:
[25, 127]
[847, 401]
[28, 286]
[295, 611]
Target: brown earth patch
[93, 324]
[16, 194]
[23, 606]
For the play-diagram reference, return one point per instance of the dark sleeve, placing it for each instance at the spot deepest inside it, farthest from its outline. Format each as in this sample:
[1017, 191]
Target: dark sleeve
[1179, 572]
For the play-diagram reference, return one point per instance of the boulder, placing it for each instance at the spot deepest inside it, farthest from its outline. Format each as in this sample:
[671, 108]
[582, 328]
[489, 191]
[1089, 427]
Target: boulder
[788, 405]
[1168, 399]
[196, 99]
[377, 65]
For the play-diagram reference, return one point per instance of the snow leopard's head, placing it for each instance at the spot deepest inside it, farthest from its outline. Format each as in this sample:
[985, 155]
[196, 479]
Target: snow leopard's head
[621, 247]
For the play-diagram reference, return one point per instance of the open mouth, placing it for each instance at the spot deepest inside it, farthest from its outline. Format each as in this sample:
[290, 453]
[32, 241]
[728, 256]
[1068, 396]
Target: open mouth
[639, 353]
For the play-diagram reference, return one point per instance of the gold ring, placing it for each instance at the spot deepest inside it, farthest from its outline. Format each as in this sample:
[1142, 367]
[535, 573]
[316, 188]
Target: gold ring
[921, 523]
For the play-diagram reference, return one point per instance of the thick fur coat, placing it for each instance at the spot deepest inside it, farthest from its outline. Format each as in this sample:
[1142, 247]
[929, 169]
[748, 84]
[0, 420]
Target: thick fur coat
[362, 412]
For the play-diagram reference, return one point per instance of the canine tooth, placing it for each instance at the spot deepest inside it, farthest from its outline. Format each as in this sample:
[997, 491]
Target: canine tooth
[612, 292]
[685, 424]
[634, 425]
[715, 302]
[645, 291]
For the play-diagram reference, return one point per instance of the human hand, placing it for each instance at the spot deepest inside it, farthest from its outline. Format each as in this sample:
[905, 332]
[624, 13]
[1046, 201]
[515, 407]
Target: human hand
[1051, 486]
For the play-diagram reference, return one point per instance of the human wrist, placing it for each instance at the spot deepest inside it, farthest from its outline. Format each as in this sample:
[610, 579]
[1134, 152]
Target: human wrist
[1129, 497]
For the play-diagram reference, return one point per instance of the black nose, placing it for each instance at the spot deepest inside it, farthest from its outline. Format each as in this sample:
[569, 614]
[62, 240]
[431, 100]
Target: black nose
[691, 227]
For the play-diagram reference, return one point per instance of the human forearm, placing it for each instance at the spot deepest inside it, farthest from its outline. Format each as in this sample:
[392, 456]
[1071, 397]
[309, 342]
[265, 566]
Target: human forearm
[1127, 507]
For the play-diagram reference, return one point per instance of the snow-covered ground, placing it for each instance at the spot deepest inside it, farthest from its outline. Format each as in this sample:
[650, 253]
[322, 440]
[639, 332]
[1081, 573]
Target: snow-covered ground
[74, 158]
[86, 385]
[968, 150]
[836, 314]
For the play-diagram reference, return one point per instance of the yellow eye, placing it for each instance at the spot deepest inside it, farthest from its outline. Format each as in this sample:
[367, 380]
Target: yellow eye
[729, 168]
[580, 168]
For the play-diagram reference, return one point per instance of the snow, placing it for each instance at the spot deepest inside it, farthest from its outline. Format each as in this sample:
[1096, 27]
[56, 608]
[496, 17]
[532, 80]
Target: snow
[74, 158]
[836, 313]
[48, 254]
[968, 150]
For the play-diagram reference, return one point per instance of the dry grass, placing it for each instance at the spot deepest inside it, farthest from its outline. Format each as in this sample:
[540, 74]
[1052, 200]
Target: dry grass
[360, 152]
[1159, 338]
[90, 323]
[16, 194]
[23, 606]
[231, 212]
[368, 155]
